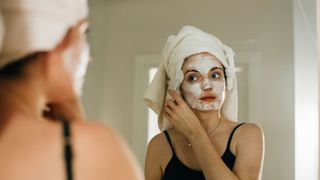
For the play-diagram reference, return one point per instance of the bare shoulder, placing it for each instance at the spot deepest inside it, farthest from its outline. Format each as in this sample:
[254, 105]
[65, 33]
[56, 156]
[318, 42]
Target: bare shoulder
[249, 151]
[97, 137]
[249, 135]
[157, 141]
[97, 145]
[95, 132]
[250, 130]
[158, 155]
[160, 145]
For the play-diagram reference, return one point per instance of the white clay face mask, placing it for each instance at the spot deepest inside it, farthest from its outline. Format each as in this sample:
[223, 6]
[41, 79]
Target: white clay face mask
[77, 64]
[203, 89]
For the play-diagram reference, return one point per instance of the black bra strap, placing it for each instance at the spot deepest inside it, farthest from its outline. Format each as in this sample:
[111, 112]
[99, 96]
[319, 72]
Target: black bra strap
[169, 140]
[67, 149]
[231, 135]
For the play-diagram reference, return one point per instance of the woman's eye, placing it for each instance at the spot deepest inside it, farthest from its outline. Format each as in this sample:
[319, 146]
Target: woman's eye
[192, 78]
[215, 76]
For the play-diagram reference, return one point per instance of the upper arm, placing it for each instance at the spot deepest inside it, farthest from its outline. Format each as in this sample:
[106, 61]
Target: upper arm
[152, 167]
[100, 153]
[249, 152]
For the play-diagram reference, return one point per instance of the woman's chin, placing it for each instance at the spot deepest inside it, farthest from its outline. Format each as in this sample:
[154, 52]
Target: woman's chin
[206, 109]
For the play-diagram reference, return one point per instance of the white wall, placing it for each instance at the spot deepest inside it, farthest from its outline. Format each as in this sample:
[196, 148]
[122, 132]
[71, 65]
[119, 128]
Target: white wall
[95, 81]
[318, 55]
[121, 30]
[306, 91]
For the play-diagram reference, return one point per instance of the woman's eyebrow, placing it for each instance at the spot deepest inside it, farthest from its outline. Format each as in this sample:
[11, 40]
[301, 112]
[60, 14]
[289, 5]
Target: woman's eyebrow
[191, 70]
[214, 68]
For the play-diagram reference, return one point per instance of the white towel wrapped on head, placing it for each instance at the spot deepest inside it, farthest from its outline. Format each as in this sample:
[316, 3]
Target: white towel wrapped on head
[189, 41]
[36, 25]
[2, 30]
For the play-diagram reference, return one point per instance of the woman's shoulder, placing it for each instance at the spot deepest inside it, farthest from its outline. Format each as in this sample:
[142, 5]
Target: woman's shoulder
[244, 128]
[159, 146]
[249, 150]
[157, 142]
[99, 144]
[158, 154]
[250, 129]
[100, 131]
[249, 135]
[161, 141]
[97, 136]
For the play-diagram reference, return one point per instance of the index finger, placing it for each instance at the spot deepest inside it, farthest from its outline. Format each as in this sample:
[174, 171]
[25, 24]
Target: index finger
[176, 96]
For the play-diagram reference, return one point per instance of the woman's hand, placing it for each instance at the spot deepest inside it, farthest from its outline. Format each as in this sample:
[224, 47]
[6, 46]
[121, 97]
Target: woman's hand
[181, 116]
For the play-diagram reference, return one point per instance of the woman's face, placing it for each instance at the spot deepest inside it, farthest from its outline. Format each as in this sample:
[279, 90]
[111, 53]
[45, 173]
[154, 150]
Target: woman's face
[203, 86]
[77, 57]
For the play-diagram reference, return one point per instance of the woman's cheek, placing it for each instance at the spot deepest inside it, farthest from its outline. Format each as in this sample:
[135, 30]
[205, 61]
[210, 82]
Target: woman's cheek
[218, 88]
[193, 90]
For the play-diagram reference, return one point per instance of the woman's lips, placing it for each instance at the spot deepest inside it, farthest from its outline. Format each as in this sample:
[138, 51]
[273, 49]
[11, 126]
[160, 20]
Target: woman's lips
[208, 98]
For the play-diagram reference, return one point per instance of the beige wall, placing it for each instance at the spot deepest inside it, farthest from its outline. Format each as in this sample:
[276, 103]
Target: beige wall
[121, 30]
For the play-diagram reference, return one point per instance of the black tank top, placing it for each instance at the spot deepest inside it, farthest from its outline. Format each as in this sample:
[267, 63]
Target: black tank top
[176, 170]
[67, 149]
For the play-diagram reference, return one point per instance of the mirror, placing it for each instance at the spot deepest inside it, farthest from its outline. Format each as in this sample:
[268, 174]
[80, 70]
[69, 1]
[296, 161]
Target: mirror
[275, 48]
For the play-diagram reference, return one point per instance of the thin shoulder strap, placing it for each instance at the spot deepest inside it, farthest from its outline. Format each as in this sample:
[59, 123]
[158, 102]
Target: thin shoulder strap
[169, 140]
[67, 149]
[231, 135]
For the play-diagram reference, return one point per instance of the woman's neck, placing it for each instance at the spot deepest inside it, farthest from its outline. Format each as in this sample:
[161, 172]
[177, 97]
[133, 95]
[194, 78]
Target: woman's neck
[209, 119]
[25, 98]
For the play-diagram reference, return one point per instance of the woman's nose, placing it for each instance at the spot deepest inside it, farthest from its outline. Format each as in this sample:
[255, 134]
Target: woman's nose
[206, 84]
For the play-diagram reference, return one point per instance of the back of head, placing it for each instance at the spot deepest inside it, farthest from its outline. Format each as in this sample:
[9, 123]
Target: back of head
[31, 26]
[1, 28]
